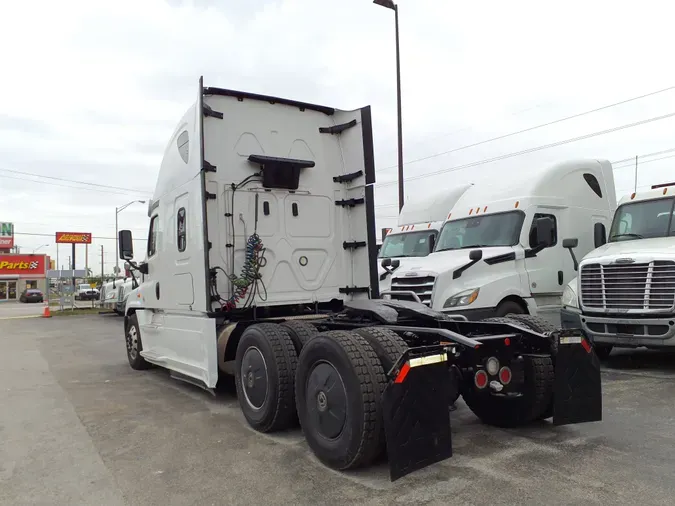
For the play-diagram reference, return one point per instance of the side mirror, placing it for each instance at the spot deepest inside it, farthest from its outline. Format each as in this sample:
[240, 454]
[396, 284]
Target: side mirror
[386, 262]
[395, 263]
[126, 245]
[143, 268]
[475, 255]
[599, 235]
[570, 244]
[432, 243]
[543, 228]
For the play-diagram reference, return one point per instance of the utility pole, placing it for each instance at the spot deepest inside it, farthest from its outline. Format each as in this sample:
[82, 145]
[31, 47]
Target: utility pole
[102, 265]
[74, 283]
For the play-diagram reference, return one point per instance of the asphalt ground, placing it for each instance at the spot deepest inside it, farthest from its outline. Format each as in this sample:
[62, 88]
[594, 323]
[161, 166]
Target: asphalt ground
[79, 426]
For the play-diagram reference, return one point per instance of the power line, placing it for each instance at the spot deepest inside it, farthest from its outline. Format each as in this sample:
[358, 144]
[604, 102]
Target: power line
[449, 134]
[24, 180]
[632, 159]
[74, 181]
[641, 163]
[532, 150]
[53, 235]
[531, 128]
[73, 224]
[614, 167]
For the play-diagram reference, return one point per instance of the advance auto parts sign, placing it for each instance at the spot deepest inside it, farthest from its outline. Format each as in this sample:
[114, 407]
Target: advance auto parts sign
[22, 265]
[73, 238]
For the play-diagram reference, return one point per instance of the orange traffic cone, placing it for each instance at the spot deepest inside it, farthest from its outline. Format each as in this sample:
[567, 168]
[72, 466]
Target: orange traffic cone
[46, 313]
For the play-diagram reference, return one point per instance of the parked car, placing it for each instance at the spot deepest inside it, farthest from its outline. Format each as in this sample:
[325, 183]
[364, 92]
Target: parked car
[32, 295]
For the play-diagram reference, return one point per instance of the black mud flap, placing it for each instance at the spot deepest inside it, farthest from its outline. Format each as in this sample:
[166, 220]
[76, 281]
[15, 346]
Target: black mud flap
[416, 412]
[577, 394]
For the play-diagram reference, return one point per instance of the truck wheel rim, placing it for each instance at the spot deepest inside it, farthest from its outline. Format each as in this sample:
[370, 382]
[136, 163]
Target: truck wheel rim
[326, 400]
[254, 377]
[132, 342]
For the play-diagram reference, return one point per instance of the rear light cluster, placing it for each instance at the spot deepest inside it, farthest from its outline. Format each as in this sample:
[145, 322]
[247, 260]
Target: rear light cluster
[482, 377]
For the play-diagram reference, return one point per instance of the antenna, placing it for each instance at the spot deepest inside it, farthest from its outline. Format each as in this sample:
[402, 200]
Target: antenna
[636, 165]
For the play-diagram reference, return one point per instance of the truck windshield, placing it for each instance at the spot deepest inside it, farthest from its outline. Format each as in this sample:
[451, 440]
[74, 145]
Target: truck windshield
[501, 229]
[409, 244]
[643, 220]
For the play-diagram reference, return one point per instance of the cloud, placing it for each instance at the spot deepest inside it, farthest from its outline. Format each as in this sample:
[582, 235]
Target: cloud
[95, 89]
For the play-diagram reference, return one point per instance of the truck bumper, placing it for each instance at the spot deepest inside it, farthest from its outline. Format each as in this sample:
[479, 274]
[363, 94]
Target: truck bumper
[473, 314]
[570, 319]
[630, 332]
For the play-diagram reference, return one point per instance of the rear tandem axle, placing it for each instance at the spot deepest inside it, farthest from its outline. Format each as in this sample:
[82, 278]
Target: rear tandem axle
[380, 377]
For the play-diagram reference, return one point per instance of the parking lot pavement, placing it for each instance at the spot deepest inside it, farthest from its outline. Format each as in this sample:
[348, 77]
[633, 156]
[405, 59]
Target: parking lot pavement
[78, 426]
[20, 309]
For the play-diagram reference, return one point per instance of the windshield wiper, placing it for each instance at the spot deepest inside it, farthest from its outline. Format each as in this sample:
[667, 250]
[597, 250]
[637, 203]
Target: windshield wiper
[636, 236]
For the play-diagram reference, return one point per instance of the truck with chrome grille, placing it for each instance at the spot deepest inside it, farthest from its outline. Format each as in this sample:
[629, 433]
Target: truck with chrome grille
[419, 223]
[624, 295]
[500, 250]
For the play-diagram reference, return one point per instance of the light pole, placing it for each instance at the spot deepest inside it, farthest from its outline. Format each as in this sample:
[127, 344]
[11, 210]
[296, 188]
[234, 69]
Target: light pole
[39, 247]
[389, 4]
[118, 210]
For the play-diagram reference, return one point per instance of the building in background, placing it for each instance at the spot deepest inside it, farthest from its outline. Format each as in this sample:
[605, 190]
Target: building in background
[20, 272]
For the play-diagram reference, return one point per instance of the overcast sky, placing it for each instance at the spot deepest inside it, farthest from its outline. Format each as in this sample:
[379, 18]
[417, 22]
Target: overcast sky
[91, 91]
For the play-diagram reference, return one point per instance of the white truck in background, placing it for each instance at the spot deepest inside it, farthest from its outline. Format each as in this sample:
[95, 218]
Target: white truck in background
[624, 295]
[502, 250]
[110, 294]
[261, 270]
[419, 223]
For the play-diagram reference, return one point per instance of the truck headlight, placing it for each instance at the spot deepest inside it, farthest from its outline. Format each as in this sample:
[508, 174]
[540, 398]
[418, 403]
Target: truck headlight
[569, 297]
[462, 298]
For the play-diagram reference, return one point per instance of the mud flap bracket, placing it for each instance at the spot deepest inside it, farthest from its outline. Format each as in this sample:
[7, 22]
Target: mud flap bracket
[577, 394]
[416, 411]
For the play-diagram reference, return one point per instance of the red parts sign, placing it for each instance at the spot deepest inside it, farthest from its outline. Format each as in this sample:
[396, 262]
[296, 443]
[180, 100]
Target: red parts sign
[73, 238]
[22, 265]
[6, 235]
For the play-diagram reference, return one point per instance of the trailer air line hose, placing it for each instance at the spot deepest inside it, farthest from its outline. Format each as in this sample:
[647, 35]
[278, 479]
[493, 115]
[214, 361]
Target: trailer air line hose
[249, 282]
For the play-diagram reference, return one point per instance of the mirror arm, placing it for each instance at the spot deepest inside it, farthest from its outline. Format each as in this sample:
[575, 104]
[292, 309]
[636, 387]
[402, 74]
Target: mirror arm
[574, 259]
[532, 252]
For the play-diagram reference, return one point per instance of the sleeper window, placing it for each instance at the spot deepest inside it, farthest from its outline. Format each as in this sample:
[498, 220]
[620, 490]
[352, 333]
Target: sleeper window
[152, 237]
[181, 233]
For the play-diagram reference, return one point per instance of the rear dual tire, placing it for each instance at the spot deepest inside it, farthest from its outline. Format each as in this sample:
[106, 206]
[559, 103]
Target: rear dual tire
[265, 366]
[334, 387]
[338, 389]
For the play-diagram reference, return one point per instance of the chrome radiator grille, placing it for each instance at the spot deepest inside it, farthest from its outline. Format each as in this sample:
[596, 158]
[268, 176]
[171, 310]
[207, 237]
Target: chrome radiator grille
[643, 286]
[422, 286]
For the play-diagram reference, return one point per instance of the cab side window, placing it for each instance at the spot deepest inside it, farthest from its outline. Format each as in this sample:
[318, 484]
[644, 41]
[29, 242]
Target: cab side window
[554, 231]
[181, 235]
[152, 237]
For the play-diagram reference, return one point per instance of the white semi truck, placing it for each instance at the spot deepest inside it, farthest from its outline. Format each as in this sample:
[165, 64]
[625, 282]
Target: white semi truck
[501, 252]
[625, 293]
[419, 223]
[261, 268]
